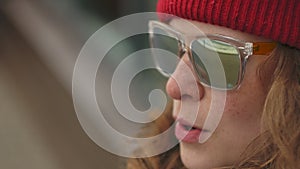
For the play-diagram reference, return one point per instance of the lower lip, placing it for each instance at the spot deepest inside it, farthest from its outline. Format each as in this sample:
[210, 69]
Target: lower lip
[188, 136]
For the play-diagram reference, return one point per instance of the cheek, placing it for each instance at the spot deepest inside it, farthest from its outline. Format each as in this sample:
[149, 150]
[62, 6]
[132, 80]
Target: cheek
[239, 111]
[247, 102]
[243, 111]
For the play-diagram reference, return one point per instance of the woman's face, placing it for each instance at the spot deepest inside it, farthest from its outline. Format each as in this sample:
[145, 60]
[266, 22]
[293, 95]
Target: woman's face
[240, 122]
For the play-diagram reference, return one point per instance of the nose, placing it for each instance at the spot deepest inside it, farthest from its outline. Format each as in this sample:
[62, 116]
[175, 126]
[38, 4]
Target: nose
[183, 82]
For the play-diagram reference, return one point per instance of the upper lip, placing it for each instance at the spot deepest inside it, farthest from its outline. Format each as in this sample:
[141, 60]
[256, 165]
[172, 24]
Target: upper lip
[188, 124]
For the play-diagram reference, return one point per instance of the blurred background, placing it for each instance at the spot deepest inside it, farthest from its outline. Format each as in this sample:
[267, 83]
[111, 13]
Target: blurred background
[39, 43]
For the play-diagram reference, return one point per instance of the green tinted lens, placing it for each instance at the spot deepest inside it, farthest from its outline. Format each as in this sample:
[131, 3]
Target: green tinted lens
[165, 59]
[214, 59]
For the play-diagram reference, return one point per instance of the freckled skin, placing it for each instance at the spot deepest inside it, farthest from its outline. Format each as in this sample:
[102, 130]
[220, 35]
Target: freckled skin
[240, 122]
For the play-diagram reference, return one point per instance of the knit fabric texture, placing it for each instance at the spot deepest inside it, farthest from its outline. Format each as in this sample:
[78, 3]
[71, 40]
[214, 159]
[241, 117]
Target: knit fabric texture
[278, 20]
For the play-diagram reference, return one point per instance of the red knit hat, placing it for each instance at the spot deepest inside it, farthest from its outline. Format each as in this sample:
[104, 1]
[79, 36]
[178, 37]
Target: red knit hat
[274, 19]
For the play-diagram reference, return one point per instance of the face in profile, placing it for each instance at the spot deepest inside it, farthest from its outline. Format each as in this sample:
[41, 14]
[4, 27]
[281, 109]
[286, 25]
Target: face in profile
[196, 97]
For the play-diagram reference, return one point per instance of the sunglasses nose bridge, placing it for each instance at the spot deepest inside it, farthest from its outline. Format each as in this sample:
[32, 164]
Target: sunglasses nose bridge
[182, 49]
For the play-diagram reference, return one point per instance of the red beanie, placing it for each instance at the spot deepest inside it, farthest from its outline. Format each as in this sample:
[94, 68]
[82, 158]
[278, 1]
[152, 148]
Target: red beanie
[274, 19]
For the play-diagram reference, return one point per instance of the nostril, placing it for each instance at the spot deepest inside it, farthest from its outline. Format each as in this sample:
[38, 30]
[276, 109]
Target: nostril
[189, 91]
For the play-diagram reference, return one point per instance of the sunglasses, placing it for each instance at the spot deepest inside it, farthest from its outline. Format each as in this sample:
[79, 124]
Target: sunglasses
[219, 61]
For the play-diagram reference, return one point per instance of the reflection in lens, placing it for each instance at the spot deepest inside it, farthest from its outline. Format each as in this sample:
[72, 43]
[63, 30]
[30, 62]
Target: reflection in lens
[211, 52]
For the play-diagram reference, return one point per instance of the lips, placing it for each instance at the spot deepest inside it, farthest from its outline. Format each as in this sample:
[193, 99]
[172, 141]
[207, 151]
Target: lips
[185, 132]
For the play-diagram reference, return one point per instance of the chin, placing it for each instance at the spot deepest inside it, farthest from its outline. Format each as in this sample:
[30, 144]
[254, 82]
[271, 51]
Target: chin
[196, 160]
[193, 160]
[195, 164]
